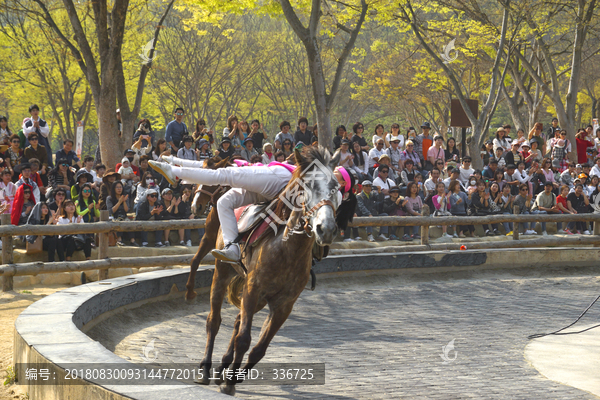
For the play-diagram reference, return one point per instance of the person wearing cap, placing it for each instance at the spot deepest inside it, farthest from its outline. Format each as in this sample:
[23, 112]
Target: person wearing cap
[127, 175]
[513, 156]
[248, 150]
[130, 155]
[346, 157]
[368, 202]
[422, 144]
[558, 155]
[203, 151]
[151, 209]
[25, 179]
[186, 152]
[39, 126]
[81, 177]
[68, 154]
[225, 149]
[107, 181]
[395, 154]
[489, 172]
[176, 130]
[534, 155]
[500, 140]
[545, 203]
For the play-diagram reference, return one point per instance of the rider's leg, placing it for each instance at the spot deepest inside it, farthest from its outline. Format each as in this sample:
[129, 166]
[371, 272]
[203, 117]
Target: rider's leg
[184, 163]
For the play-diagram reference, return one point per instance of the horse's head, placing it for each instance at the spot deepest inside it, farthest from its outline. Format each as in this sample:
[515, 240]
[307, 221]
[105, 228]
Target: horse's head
[316, 188]
[206, 195]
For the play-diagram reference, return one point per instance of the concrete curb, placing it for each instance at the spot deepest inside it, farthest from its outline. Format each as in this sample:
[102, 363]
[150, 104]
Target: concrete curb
[52, 329]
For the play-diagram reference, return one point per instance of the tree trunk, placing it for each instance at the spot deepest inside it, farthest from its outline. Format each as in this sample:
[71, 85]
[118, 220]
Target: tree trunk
[108, 126]
[315, 66]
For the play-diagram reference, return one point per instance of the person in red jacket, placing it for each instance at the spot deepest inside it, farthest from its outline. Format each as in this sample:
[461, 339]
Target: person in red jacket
[23, 204]
[582, 146]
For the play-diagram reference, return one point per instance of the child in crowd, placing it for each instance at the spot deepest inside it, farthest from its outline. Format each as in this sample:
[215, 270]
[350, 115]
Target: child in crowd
[127, 174]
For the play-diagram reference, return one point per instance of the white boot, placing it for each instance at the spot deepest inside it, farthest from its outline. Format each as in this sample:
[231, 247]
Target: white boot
[230, 253]
[167, 159]
[164, 169]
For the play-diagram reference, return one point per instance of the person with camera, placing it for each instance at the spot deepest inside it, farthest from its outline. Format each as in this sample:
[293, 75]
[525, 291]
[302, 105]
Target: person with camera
[146, 134]
[202, 132]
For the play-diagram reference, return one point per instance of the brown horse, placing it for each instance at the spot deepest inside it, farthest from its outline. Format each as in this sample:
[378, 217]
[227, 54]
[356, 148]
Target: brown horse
[204, 196]
[278, 267]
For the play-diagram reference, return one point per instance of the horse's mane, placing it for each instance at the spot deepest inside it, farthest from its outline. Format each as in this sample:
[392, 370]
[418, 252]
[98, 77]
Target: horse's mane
[309, 154]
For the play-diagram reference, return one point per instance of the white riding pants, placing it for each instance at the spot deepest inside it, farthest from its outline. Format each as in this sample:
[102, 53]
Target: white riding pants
[249, 185]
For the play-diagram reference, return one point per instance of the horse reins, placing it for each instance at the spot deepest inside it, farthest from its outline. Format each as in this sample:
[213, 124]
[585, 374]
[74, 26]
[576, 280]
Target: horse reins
[212, 195]
[306, 215]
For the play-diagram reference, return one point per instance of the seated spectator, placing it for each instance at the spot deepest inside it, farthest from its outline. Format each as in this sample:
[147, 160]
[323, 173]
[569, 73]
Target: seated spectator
[534, 155]
[68, 155]
[202, 132]
[489, 172]
[186, 152]
[59, 197]
[8, 190]
[413, 205]
[128, 177]
[248, 149]
[145, 133]
[161, 147]
[500, 158]
[545, 203]
[591, 186]
[130, 155]
[38, 151]
[431, 183]
[549, 174]
[86, 205]
[225, 150]
[558, 155]
[14, 155]
[563, 207]
[439, 164]
[367, 206]
[578, 203]
[151, 209]
[393, 206]
[279, 156]
[61, 177]
[506, 207]
[436, 152]
[268, 156]
[81, 178]
[71, 243]
[256, 159]
[22, 206]
[453, 175]
[203, 151]
[385, 161]
[107, 181]
[35, 176]
[379, 134]
[358, 129]
[382, 182]
[118, 207]
[186, 206]
[411, 154]
[360, 162]
[514, 156]
[459, 203]
[451, 153]
[287, 148]
[523, 201]
[100, 171]
[374, 155]
[441, 205]
[395, 154]
[465, 170]
[511, 179]
[408, 173]
[35, 124]
[499, 179]
[5, 132]
[25, 171]
[42, 215]
[139, 151]
[481, 205]
[345, 155]
[172, 211]
[147, 183]
[595, 171]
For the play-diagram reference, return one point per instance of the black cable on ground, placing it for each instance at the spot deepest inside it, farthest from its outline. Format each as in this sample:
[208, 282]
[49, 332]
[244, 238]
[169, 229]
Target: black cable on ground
[539, 335]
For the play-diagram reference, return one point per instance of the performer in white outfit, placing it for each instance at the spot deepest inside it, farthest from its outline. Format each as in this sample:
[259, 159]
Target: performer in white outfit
[249, 185]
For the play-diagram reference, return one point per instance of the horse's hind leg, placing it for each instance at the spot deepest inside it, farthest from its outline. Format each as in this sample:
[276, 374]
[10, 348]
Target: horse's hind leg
[222, 275]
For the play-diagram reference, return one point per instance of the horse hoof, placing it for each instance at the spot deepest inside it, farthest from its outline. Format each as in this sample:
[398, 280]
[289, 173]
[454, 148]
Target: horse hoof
[190, 299]
[202, 380]
[227, 389]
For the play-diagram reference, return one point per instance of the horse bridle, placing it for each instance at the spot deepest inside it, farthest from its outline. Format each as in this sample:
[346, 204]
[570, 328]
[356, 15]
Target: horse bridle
[212, 195]
[306, 215]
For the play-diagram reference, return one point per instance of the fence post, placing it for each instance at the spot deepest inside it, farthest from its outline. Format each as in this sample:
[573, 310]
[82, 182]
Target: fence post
[7, 255]
[596, 231]
[516, 226]
[103, 246]
[425, 228]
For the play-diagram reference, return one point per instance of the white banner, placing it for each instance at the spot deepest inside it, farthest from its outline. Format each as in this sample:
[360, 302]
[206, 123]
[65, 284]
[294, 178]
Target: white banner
[79, 139]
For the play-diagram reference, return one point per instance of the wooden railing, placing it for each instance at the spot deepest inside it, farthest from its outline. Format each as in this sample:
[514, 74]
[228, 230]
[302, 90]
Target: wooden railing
[9, 269]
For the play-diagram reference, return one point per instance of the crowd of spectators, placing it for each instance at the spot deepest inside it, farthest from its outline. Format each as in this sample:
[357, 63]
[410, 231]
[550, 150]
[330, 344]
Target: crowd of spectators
[396, 174]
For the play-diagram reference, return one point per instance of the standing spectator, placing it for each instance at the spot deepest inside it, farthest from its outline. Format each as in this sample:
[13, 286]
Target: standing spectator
[283, 135]
[582, 146]
[367, 206]
[202, 133]
[7, 190]
[161, 147]
[410, 154]
[436, 152]
[441, 205]
[303, 134]
[185, 152]
[176, 130]
[67, 154]
[35, 150]
[340, 134]
[545, 203]
[395, 154]
[413, 206]
[203, 152]
[71, 242]
[42, 215]
[39, 126]
[145, 134]
[383, 183]
[396, 133]
[422, 144]
[151, 209]
[5, 132]
[360, 162]
[256, 135]
[451, 153]
[501, 140]
[411, 134]
[268, 156]
[248, 151]
[459, 203]
[378, 134]
[551, 132]
[535, 134]
[358, 129]
[523, 201]
[578, 203]
[225, 150]
[25, 170]
[138, 151]
[14, 155]
[22, 206]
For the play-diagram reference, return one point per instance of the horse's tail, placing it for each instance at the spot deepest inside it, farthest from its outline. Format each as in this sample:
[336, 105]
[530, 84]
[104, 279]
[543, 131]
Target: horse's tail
[234, 290]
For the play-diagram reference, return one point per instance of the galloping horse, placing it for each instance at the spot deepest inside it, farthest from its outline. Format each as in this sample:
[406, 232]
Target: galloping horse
[203, 197]
[278, 266]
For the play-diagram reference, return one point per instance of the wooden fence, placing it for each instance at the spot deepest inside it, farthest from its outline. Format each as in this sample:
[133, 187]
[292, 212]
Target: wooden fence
[9, 269]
